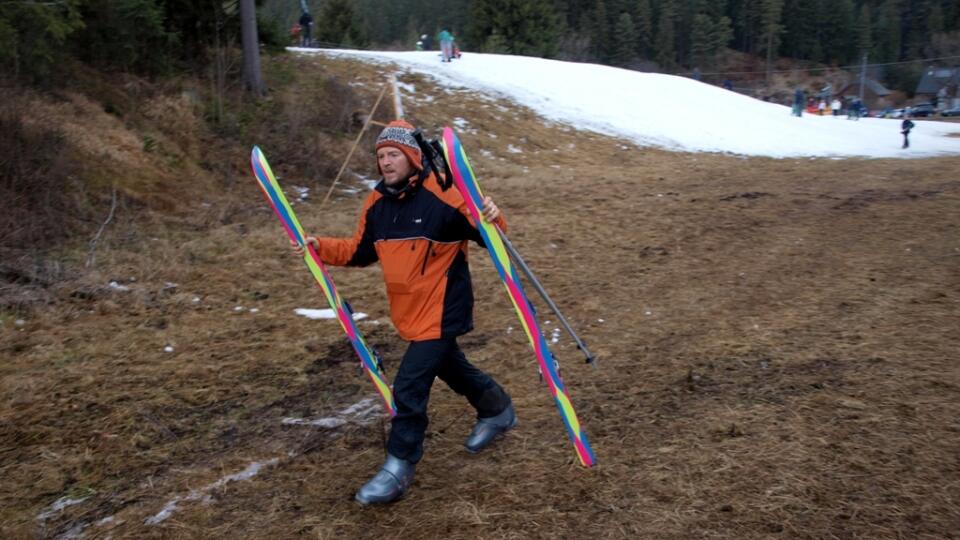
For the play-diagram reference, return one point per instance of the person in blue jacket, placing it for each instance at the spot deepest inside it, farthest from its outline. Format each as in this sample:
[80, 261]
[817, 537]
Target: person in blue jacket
[446, 44]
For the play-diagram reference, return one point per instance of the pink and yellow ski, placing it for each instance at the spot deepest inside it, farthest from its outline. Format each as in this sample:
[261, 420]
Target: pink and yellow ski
[369, 360]
[466, 183]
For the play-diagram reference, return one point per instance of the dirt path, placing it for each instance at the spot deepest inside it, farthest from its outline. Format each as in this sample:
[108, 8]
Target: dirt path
[777, 343]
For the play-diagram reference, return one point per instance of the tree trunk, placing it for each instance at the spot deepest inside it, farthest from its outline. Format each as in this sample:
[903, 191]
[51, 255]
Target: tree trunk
[252, 77]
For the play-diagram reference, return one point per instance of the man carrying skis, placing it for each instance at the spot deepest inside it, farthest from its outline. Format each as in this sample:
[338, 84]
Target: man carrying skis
[419, 231]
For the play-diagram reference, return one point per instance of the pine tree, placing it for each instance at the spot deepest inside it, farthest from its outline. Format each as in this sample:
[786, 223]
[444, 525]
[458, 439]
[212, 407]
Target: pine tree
[863, 30]
[801, 30]
[888, 35]
[721, 35]
[496, 44]
[624, 41]
[665, 47]
[600, 36]
[32, 37]
[770, 29]
[835, 31]
[701, 40]
[336, 24]
[935, 21]
[643, 22]
[747, 24]
[528, 27]
[125, 34]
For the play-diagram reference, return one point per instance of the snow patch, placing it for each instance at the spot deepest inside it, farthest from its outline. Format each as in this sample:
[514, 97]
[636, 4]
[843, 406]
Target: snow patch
[58, 506]
[361, 411]
[302, 192]
[195, 495]
[117, 287]
[325, 314]
[721, 121]
[370, 183]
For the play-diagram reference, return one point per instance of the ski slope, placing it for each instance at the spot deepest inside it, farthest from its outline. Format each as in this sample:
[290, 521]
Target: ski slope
[667, 111]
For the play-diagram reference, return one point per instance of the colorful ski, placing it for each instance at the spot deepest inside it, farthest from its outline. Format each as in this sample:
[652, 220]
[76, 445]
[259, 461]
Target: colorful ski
[369, 360]
[466, 183]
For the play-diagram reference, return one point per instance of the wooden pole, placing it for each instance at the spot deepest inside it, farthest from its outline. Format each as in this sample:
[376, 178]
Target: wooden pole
[397, 105]
[355, 144]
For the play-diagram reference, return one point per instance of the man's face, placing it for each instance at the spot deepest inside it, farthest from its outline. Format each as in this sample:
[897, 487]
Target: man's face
[394, 165]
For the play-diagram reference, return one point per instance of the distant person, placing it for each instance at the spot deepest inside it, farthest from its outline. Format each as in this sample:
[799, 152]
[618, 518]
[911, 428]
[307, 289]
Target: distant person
[799, 98]
[821, 106]
[905, 128]
[727, 85]
[306, 21]
[419, 45]
[427, 42]
[856, 108]
[696, 74]
[836, 106]
[446, 44]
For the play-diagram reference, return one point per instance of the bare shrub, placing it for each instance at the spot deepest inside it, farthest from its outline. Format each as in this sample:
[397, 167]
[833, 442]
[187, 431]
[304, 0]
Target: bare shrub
[35, 178]
[37, 201]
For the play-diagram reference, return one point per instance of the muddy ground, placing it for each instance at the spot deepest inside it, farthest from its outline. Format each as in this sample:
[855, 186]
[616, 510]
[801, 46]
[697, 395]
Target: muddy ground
[777, 344]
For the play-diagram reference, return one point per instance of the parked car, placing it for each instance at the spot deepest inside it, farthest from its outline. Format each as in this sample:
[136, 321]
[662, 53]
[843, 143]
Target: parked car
[923, 110]
[951, 112]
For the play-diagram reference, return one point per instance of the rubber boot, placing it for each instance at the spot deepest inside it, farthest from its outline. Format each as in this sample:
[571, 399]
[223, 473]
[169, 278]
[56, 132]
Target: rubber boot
[487, 429]
[389, 484]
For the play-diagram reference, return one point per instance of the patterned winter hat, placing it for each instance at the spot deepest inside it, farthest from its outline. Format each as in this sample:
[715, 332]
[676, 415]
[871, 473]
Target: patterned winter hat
[399, 134]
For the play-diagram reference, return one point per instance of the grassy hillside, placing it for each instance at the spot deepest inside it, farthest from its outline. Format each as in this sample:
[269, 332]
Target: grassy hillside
[776, 338]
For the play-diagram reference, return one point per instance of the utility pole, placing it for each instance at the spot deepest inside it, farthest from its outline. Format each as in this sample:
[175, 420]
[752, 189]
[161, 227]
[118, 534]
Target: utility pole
[863, 76]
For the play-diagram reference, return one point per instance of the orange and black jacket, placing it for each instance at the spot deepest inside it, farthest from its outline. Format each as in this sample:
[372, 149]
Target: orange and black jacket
[420, 237]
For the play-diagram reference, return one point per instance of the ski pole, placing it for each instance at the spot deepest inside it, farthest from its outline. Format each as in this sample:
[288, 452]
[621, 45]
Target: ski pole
[430, 153]
[515, 255]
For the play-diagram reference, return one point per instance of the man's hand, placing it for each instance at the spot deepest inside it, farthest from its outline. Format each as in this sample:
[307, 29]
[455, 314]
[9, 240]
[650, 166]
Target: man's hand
[299, 249]
[490, 210]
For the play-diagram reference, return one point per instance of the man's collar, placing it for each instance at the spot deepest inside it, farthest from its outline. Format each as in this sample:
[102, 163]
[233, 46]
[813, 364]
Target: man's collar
[400, 190]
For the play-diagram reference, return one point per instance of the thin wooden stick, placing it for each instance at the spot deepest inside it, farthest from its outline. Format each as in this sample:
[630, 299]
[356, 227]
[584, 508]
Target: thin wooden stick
[354, 147]
[397, 105]
[91, 256]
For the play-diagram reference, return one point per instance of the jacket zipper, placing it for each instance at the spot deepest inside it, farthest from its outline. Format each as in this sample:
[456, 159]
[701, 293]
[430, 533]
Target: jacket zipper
[426, 256]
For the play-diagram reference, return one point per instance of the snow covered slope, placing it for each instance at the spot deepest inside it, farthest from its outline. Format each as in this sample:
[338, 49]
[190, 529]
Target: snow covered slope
[668, 111]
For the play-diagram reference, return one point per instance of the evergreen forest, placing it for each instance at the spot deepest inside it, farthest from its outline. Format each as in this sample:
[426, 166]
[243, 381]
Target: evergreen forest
[157, 37]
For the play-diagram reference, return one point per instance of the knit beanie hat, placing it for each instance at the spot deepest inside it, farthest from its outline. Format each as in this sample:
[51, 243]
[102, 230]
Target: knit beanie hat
[399, 134]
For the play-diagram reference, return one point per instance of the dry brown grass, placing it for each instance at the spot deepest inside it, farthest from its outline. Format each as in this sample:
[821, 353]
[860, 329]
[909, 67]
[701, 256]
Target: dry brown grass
[777, 358]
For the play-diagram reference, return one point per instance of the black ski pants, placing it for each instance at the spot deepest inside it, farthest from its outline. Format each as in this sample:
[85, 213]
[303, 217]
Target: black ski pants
[424, 361]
